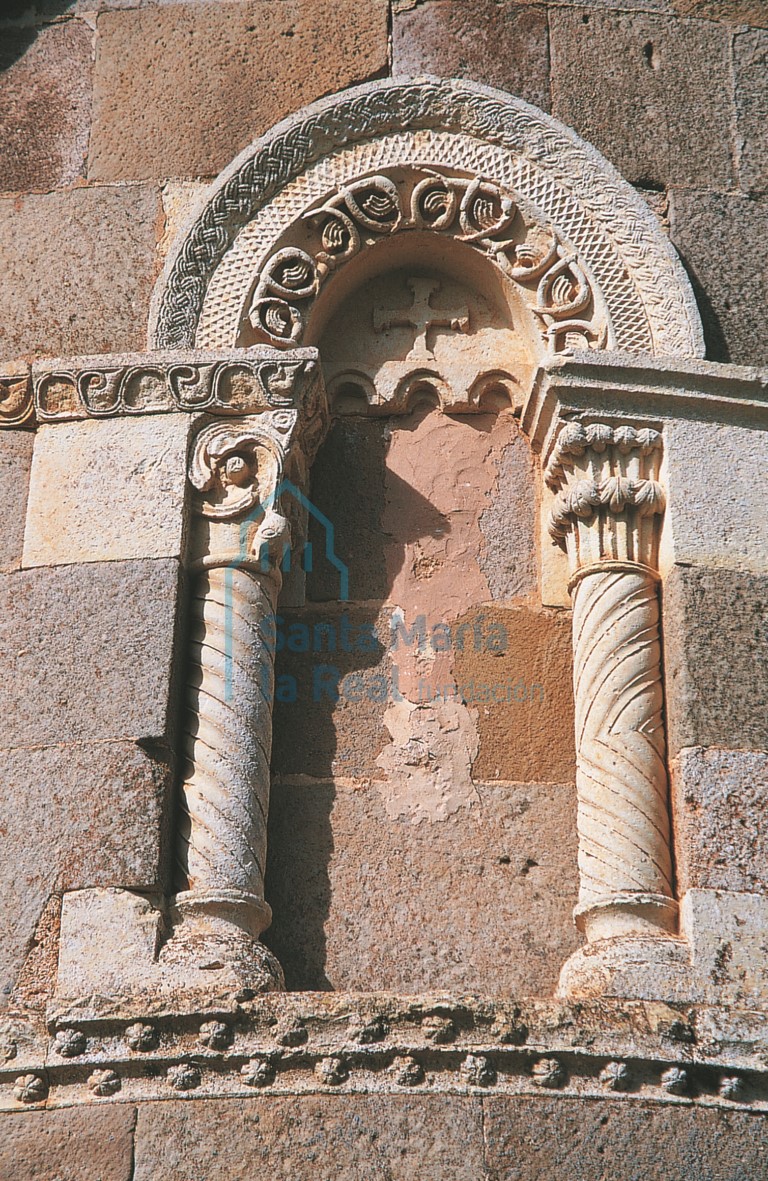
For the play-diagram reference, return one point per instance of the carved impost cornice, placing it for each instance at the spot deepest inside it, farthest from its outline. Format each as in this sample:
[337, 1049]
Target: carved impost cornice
[16, 406]
[643, 390]
[227, 382]
[608, 498]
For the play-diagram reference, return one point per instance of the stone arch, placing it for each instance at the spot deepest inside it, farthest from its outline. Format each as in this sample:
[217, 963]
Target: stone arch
[470, 135]
[398, 166]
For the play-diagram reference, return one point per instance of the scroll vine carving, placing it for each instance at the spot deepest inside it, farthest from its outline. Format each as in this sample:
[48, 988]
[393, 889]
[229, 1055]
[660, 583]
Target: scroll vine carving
[16, 405]
[564, 176]
[238, 383]
[468, 209]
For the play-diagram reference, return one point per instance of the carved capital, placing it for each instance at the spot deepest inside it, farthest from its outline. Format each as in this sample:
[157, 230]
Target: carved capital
[236, 465]
[609, 500]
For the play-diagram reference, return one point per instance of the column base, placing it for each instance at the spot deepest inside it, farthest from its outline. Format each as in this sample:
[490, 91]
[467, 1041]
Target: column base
[118, 947]
[628, 914]
[630, 967]
[219, 932]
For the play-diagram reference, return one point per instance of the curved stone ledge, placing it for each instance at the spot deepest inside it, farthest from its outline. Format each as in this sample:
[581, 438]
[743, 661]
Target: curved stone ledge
[370, 1043]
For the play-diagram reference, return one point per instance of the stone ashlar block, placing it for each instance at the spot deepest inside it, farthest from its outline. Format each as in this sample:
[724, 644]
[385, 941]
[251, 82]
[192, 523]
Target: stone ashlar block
[78, 270]
[333, 675]
[738, 12]
[640, 87]
[72, 816]
[88, 652]
[539, 1139]
[721, 830]
[357, 1138]
[731, 283]
[246, 65]
[480, 901]
[523, 694]
[74, 1144]
[504, 44]
[750, 50]
[15, 463]
[734, 532]
[103, 490]
[715, 657]
[728, 935]
[45, 105]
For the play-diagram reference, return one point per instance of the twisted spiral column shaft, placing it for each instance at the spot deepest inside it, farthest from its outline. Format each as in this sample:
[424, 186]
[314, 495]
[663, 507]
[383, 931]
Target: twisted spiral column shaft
[221, 846]
[623, 815]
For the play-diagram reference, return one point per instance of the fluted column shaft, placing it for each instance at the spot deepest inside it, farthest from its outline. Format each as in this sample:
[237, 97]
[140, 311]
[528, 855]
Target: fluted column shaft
[607, 516]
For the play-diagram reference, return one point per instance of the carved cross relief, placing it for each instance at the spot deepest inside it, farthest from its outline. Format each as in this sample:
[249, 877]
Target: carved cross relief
[423, 316]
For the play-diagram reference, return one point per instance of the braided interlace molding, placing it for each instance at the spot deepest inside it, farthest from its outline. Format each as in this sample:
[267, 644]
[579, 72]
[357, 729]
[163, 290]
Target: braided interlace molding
[556, 156]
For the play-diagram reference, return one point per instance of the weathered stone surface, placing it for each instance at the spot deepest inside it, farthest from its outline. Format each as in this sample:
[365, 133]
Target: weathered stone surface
[735, 532]
[45, 105]
[508, 526]
[88, 652]
[78, 269]
[103, 490]
[15, 463]
[715, 659]
[147, 115]
[548, 1138]
[721, 836]
[740, 12]
[523, 695]
[350, 1138]
[331, 694]
[74, 816]
[645, 112]
[478, 902]
[750, 50]
[730, 284]
[726, 931]
[504, 44]
[79, 1144]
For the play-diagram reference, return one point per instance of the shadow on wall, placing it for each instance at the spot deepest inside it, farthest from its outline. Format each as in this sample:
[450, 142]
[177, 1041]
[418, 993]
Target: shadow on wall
[715, 342]
[326, 647]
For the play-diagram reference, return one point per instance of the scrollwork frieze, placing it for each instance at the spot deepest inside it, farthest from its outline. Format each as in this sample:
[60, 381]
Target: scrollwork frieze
[241, 381]
[16, 404]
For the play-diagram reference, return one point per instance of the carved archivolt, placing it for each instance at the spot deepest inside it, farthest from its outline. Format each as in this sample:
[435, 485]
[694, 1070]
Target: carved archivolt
[204, 295]
[468, 209]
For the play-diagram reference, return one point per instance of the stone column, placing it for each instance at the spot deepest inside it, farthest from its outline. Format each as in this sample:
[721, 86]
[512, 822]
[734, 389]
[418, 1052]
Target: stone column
[607, 516]
[239, 539]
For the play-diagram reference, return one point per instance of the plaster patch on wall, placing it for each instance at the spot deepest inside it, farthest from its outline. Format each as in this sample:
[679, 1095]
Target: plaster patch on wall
[428, 763]
[437, 475]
